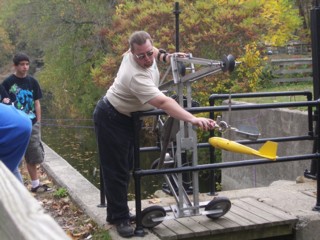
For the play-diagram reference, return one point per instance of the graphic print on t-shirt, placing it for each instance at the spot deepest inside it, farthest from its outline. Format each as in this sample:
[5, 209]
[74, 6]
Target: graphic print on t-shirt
[24, 100]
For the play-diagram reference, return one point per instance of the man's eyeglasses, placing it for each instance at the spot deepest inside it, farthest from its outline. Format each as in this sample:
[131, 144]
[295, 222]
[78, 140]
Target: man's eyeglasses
[143, 55]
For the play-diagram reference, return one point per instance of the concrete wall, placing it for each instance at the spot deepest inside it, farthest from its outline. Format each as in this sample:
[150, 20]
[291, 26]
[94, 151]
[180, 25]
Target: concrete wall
[271, 123]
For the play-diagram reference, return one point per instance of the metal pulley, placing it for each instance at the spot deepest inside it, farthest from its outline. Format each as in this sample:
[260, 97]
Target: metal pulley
[228, 63]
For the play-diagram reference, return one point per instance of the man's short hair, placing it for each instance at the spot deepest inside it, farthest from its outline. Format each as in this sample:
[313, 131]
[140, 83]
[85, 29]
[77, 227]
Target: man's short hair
[139, 38]
[19, 57]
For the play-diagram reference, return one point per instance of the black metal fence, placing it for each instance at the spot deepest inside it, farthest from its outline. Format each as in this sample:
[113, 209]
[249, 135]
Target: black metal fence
[313, 134]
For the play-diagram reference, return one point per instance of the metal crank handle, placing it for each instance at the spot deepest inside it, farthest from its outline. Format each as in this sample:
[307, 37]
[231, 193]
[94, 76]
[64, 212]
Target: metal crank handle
[223, 126]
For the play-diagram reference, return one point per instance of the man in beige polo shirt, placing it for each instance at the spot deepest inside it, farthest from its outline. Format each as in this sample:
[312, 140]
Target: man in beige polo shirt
[135, 88]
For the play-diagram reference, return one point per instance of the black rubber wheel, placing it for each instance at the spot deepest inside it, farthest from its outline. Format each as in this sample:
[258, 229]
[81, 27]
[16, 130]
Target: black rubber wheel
[150, 213]
[232, 63]
[219, 203]
[228, 63]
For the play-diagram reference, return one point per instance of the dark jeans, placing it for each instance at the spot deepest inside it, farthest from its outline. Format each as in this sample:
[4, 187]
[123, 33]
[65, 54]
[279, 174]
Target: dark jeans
[114, 133]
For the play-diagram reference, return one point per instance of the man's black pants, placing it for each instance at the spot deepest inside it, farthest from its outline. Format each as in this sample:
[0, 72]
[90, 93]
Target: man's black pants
[114, 134]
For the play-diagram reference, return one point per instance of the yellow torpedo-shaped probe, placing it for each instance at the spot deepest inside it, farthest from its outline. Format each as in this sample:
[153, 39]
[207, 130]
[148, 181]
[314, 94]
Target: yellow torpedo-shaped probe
[268, 150]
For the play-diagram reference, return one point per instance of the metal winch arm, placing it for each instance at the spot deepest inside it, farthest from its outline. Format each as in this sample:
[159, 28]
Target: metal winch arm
[201, 61]
[212, 66]
[190, 77]
[201, 74]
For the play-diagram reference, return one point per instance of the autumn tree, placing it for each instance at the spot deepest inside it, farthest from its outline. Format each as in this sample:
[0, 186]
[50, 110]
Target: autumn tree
[81, 42]
[304, 7]
[208, 29]
[65, 35]
[6, 47]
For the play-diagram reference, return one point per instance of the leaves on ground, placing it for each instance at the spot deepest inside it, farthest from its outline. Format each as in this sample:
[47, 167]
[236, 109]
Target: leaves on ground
[64, 211]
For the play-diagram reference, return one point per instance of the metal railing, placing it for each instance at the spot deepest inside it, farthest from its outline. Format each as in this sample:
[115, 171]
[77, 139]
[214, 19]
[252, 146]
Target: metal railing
[138, 173]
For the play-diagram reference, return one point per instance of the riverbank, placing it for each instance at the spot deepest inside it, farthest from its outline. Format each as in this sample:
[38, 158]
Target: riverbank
[58, 204]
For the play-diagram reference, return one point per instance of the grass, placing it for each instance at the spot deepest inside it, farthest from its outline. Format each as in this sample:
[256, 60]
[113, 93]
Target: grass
[60, 193]
[284, 87]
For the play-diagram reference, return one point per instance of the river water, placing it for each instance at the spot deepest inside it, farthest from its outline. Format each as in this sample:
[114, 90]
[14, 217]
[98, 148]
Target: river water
[74, 140]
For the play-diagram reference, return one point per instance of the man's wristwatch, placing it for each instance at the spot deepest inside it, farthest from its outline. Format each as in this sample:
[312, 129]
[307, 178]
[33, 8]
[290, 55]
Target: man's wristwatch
[161, 51]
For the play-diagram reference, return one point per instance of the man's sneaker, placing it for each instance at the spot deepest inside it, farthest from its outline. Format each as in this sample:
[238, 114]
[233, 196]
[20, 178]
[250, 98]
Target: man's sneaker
[132, 218]
[125, 229]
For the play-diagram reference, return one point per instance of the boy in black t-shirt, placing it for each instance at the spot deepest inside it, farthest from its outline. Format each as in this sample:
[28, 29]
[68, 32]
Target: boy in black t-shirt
[25, 93]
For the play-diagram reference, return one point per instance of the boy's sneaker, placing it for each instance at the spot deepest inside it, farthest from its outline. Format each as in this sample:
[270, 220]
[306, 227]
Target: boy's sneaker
[124, 228]
[41, 189]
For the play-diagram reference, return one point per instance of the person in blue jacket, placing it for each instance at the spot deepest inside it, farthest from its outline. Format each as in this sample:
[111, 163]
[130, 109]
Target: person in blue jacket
[15, 131]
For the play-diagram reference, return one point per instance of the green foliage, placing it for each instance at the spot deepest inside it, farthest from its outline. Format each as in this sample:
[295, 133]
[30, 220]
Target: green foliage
[101, 234]
[218, 186]
[266, 76]
[208, 29]
[70, 84]
[283, 20]
[6, 47]
[249, 71]
[60, 193]
[81, 42]
[66, 36]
